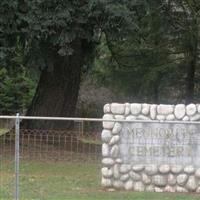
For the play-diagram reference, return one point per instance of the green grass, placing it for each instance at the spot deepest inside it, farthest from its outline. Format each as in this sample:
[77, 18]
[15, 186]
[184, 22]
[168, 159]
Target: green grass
[67, 181]
[88, 140]
[3, 131]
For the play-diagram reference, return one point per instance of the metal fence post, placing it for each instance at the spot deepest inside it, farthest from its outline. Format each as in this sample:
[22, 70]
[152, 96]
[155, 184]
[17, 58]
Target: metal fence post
[17, 132]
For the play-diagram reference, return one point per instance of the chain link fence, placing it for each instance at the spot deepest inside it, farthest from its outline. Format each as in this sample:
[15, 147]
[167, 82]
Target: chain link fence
[42, 164]
[7, 159]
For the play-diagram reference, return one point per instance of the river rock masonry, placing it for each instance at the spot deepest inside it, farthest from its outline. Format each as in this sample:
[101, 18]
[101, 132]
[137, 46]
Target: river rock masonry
[156, 161]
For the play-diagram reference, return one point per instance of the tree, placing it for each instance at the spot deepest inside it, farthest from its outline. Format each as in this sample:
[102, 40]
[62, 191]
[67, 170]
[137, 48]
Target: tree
[59, 37]
[140, 61]
[17, 86]
[184, 17]
[157, 60]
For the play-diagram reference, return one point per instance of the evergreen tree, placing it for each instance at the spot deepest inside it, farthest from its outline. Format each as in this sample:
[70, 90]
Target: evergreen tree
[59, 37]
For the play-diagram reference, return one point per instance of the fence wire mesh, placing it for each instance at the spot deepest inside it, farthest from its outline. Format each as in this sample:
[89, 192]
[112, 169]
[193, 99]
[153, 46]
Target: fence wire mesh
[7, 161]
[53, 163]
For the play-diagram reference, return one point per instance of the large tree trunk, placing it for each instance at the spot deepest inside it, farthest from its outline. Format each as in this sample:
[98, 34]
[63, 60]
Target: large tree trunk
[189, 96]
[156, 87]
[191, 68]
[57, 90]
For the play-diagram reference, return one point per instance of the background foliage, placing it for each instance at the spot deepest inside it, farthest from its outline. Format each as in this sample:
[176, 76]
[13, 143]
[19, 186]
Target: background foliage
[145, 51]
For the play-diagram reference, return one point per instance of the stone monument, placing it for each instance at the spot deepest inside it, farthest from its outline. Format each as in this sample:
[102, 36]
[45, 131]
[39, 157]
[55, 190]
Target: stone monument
[151, 147]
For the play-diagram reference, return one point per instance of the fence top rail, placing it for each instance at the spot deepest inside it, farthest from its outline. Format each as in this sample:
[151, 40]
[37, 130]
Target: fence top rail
[94, 119]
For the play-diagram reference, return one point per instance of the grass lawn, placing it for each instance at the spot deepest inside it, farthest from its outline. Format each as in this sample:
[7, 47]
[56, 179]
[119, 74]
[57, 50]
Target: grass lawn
[63, 181]
[3, 131]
